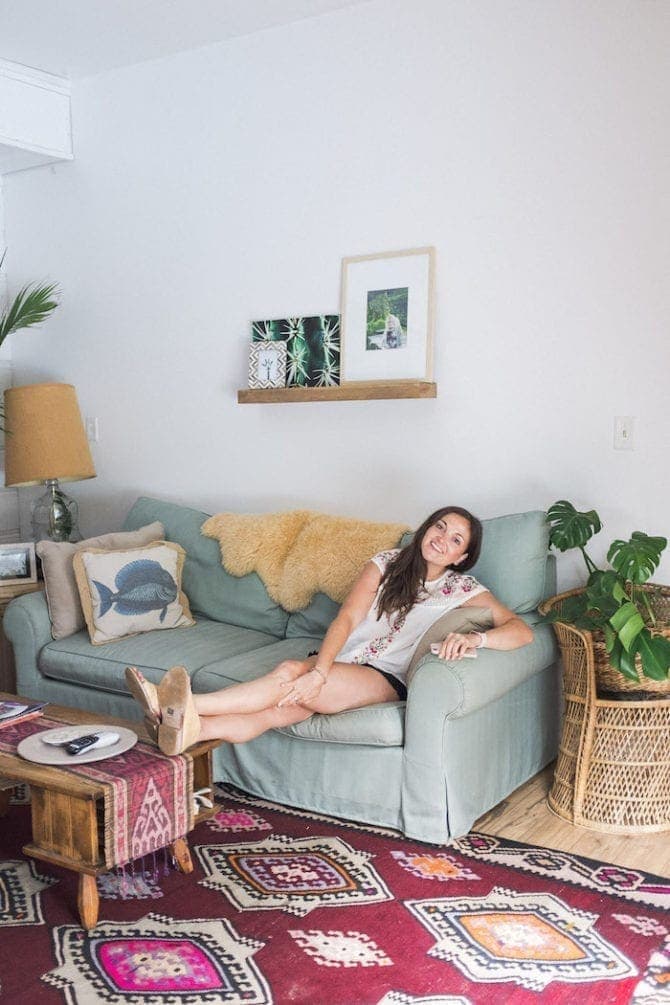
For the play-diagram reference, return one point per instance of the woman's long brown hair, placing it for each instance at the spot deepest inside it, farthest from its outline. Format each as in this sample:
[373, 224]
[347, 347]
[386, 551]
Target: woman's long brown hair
[406, 574]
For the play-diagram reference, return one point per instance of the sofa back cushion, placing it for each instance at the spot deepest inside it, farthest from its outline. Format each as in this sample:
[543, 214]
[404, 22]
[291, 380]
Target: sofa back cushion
[513, 559]
[314, 619]
[211, 591]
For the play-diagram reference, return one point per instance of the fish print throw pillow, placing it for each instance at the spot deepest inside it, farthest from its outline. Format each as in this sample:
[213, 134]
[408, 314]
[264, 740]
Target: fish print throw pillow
[132, 590]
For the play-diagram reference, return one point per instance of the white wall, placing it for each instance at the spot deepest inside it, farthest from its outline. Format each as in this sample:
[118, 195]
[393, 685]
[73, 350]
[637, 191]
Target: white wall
[527, 141]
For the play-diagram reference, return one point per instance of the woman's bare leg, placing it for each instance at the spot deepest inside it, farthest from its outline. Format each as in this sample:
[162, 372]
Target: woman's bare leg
[255, 695]
[238, 728]
[348, 686]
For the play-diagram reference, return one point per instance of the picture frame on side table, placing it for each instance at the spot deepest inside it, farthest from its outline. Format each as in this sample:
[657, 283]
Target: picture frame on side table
[18, 564]
[388, 316]
[267, 364]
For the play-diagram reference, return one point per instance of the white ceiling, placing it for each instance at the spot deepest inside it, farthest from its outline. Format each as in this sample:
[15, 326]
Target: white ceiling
[76, 38]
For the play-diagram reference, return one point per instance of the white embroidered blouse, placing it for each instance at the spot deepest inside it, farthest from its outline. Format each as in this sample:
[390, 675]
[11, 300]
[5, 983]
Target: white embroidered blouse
[389, 643]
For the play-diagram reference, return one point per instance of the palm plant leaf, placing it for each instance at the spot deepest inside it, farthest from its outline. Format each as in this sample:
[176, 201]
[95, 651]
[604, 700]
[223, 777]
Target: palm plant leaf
[31, 306]
[636, 560]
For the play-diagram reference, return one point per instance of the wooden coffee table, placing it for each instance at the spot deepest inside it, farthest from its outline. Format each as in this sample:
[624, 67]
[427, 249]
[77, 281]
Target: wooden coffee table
[67, 810]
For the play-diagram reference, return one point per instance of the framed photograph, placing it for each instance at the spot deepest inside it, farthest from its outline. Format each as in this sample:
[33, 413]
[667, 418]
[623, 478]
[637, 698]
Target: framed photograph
[387, 315]
[17, 563]
[312, 347]
[267, 364]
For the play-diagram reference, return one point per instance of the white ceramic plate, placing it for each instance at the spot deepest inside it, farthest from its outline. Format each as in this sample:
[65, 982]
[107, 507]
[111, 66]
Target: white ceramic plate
[43, 748]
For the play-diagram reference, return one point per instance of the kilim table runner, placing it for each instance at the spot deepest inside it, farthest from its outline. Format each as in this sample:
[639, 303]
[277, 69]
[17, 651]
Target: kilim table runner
[148, 797]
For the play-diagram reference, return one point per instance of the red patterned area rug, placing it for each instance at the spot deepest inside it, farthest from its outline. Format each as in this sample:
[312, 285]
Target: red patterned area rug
[288, 906]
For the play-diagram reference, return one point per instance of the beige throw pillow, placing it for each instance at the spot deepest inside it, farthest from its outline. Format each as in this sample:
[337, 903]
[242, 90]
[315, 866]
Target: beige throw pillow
[131, 591]
[63, 601]
[463, 619]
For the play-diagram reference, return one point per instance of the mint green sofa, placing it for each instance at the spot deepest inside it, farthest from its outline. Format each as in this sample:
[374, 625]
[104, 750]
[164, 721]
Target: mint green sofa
[469, 733]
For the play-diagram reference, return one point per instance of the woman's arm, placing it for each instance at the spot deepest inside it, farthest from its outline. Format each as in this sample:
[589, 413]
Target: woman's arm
[508, 632]
[355, 607]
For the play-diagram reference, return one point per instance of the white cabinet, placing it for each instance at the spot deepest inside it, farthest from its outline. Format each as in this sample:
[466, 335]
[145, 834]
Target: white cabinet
[35, 123]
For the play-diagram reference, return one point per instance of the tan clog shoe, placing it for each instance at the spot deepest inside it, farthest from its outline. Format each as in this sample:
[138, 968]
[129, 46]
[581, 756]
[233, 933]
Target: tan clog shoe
[179, 727]
[146, 695]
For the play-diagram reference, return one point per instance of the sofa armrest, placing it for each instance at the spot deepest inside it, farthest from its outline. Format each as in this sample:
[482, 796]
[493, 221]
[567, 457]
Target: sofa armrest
[456, 688]
[442, 692]
[27, 626]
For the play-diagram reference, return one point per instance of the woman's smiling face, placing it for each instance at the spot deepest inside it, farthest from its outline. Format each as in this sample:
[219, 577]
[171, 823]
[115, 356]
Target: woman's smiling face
[445, 543]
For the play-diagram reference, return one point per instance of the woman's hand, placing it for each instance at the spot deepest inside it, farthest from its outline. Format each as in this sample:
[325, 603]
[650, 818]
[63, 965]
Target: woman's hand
[456, 645]
[303, 689]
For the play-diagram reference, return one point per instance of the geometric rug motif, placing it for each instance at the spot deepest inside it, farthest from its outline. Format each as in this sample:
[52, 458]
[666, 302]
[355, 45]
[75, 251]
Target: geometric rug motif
[561, 866]
[157, 961]
[292, 875]
[437, 865]
[340, 949]
[235, 821]
[530, 939]
[20, 892]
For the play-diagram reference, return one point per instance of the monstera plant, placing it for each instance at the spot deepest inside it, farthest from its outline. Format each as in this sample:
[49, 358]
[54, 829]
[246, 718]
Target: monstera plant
[615, 601]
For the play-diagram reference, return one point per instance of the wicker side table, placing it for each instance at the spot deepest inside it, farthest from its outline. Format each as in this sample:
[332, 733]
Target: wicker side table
[613, 767]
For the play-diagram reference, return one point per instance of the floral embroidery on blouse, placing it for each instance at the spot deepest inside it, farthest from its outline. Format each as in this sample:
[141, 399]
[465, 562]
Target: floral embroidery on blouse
[376, 647]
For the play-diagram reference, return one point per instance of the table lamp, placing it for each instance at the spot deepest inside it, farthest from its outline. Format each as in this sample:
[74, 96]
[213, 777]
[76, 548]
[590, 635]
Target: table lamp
[45, 441]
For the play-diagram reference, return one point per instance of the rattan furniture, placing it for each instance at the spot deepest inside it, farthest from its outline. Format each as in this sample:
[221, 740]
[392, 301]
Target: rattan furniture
[613, 767]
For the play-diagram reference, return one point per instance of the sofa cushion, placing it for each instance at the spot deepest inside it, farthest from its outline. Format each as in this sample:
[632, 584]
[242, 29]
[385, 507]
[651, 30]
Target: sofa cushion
[375, 726]
[65, 610]
[131, 591]
[512, 563]
[76, 661]
[314, 619]
[224, 669]
[210, 589]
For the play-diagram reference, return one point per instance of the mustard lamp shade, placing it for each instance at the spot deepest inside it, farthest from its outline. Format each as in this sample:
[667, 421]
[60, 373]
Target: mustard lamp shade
[44, 436]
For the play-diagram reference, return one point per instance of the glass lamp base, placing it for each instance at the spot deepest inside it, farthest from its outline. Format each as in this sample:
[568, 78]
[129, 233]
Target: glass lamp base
[55, 515]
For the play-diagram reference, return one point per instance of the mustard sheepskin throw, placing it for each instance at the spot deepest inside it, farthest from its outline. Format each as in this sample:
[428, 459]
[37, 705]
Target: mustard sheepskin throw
[300, 553]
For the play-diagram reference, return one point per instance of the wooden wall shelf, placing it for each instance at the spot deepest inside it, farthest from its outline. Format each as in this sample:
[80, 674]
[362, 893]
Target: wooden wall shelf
[359, 390]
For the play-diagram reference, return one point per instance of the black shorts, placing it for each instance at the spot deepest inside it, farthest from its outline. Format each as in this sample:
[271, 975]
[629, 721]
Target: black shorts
[396, 684]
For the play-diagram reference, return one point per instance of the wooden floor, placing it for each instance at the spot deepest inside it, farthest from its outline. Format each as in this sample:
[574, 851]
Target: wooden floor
[525, 816]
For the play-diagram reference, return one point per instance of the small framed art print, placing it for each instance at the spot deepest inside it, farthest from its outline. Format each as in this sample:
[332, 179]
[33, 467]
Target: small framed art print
[387, 315]
[267, 364]
[17, 563]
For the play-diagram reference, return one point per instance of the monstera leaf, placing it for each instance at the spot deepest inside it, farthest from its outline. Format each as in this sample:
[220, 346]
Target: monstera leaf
[636, 560]
[569, 527]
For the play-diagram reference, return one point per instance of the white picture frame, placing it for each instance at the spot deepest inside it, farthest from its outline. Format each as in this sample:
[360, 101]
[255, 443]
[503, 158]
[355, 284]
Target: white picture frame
[267, 364]
[18, 564]
[388, 316]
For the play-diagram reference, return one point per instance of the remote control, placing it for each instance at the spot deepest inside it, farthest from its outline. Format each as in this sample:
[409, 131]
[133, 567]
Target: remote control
[92, 741]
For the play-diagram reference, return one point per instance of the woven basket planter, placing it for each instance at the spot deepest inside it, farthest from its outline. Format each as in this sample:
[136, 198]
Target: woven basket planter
[610, 679]
[613, 767]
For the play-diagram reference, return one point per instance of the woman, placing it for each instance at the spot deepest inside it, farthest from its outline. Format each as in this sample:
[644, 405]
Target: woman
[364, 656]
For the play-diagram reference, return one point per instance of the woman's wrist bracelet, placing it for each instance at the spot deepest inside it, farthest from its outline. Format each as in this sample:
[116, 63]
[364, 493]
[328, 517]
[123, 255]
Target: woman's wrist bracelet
[482, 639]
[321, 673]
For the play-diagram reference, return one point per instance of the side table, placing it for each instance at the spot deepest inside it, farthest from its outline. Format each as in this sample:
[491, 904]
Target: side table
[7, 670]
[613, 767]
[67, 811]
